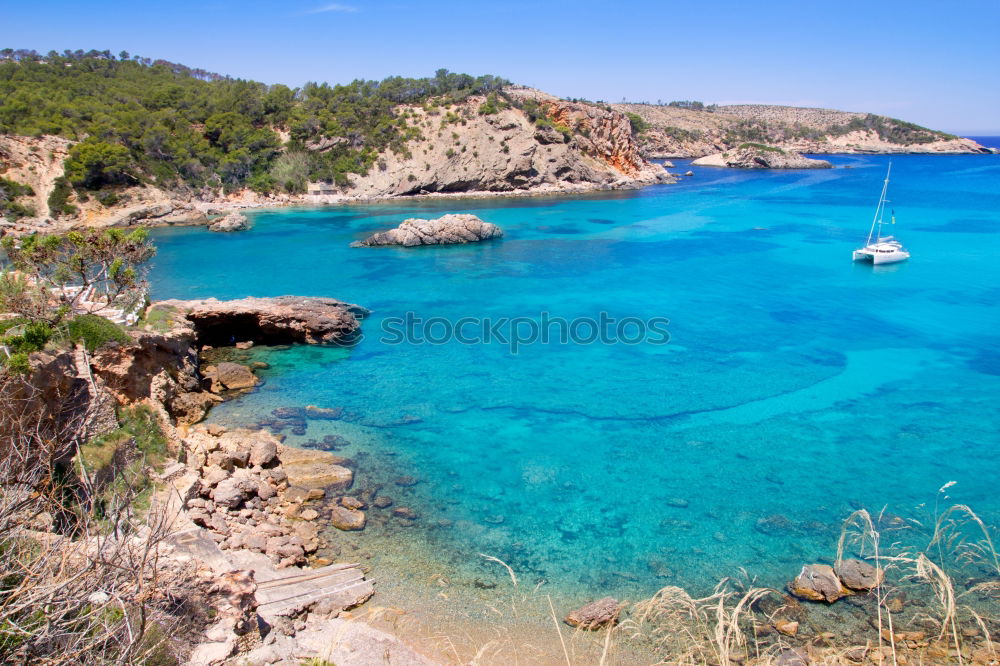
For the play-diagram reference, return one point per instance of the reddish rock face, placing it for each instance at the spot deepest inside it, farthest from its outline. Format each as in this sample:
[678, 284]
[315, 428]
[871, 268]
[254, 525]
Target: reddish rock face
[605, 134]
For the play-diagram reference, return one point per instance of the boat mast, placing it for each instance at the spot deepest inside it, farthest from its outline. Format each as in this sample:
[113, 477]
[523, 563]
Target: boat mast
[880, 209]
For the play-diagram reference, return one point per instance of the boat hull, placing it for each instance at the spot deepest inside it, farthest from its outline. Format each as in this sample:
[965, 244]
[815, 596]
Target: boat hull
[879, 258]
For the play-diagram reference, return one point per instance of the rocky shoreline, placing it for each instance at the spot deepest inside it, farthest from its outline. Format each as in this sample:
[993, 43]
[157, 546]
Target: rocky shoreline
[248, 511]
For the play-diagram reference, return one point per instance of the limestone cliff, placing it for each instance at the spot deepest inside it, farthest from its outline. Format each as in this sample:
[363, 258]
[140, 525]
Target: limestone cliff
[568, 146]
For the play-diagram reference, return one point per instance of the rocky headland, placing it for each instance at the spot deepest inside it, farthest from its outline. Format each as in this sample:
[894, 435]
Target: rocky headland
[453, 229]
[455, 150]
[755, 156]
[675, 131]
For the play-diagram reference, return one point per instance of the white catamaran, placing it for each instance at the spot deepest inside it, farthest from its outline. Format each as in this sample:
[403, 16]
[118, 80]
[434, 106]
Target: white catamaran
[884, 249]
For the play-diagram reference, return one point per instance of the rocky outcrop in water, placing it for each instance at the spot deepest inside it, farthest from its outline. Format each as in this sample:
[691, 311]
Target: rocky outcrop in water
[164, 366]
[451, 229]
[279, 320]
[234, 221]
[750, 156]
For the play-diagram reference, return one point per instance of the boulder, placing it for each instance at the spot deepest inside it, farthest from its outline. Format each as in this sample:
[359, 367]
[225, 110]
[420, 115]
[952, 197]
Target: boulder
[859, 575]
[549, 134]
[323, 413]
[234, 221]
[818, 582]
[263, 452]
[233, 376]
[191, 407]
[446, 230]
[352, 503]
[315, 469]
[230, 493]
[347, 519]
[601, 613]
[405, 512]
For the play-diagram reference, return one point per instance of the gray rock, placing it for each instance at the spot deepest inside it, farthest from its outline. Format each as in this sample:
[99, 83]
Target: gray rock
[859, 575]
[230, 493]
[265, 490]
[818, 582]
[445, 230]
[263, 452]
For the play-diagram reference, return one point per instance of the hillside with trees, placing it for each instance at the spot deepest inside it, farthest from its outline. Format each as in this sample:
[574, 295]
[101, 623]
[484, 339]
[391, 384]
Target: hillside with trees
[94, 138]
[137, 120]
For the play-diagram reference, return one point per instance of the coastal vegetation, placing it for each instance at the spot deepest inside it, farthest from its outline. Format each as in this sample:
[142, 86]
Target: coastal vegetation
[10, 191]
[144, 121]
[59, 282]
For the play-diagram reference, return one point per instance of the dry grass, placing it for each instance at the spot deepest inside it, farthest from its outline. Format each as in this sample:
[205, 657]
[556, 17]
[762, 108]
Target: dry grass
[75, 587]
[735, 623]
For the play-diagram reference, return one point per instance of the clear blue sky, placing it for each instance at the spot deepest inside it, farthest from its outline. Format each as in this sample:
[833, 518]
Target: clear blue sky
[933, 63]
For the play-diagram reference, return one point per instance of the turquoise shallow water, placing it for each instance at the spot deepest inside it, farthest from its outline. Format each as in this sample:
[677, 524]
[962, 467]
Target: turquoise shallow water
[796, 387]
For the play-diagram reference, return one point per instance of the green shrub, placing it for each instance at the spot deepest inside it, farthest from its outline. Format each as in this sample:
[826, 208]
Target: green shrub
[140, 422]
[59, 198]
[17, 363]
[93, 163]
[33, 336]
[107, 198]
[95, 331]
[760, 146]
[638, 124]
[490, 106]
[9, 192]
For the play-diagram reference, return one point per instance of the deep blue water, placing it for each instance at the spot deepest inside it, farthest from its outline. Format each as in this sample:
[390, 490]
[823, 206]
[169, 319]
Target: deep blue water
[988, 141]
[796, 383]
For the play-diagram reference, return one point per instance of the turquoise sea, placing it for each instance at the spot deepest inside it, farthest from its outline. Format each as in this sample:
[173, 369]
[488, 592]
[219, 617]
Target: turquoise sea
[796, 387]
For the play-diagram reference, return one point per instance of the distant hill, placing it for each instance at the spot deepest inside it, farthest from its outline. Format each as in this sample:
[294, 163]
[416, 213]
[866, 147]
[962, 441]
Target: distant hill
[685, 131]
